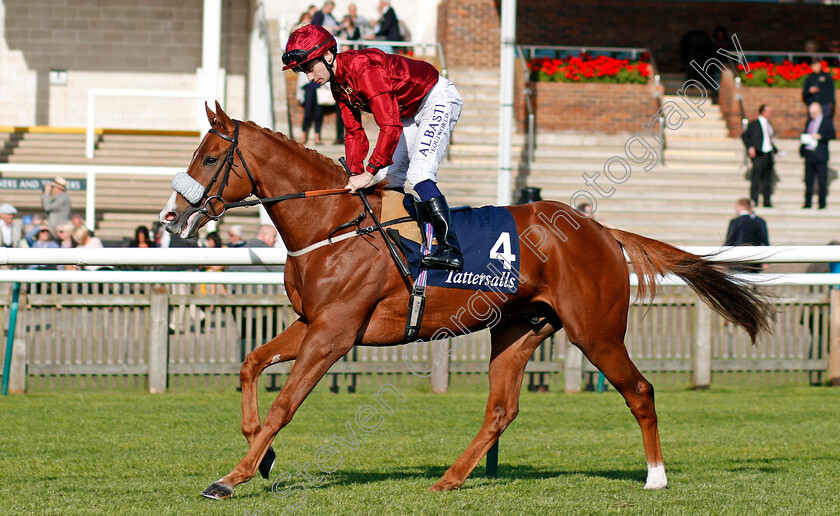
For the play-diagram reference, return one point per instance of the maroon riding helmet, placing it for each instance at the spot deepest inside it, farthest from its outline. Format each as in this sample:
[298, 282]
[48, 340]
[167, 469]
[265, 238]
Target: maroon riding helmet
[305, 44]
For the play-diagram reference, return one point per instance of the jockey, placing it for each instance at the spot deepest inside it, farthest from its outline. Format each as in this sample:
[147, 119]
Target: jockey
[414, 107]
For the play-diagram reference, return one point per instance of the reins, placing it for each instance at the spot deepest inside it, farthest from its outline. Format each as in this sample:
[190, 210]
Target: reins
[208, 209]
[227, 165]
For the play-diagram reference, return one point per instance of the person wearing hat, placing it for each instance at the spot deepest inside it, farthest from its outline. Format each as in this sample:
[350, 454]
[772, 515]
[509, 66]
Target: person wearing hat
[413, 105]
[44, 240]
[56, 202]
[11, 230]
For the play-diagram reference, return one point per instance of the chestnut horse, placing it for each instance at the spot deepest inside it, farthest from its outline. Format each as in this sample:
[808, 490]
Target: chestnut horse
[350, 293]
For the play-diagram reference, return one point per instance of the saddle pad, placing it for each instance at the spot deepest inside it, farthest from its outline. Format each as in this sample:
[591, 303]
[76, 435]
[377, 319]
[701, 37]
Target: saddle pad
[393, 208]
[490, 244]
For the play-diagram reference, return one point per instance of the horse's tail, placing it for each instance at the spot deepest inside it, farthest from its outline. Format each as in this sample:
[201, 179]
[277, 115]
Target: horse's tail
[736, 301]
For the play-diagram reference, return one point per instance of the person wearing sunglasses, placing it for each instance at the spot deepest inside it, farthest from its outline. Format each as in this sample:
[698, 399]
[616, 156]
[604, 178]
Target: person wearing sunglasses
[415, 109]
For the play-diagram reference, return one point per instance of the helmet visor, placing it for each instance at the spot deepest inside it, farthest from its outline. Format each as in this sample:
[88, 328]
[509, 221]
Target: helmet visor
[294, 59]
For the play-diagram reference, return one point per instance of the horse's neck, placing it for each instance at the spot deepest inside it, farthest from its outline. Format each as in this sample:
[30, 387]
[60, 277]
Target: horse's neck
[289, 168]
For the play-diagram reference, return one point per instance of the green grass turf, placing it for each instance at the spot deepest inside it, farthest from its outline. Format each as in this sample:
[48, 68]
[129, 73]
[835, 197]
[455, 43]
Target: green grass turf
[771, 450]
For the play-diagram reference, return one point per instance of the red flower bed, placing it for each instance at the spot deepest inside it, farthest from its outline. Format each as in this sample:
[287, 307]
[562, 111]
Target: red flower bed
[785, 75]
[583, 68]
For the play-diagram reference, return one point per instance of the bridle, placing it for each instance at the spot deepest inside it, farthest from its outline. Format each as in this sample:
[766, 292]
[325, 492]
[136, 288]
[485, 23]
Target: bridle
[225, 168]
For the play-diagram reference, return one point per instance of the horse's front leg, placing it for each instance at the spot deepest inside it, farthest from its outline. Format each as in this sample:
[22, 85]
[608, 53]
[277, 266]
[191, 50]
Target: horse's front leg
[281, 348]
[321, 347]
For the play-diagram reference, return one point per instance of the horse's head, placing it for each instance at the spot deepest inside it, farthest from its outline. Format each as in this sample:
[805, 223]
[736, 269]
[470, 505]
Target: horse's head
[216, 176]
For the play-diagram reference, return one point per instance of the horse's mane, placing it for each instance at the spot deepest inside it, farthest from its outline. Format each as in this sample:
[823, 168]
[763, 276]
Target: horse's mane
[316, 156]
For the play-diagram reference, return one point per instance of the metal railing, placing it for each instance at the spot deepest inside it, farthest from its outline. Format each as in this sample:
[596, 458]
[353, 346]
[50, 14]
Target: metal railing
[531, 136]
[779, 56]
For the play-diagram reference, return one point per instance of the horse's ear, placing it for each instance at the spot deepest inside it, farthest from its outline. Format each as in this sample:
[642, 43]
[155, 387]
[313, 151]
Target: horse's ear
[224, 121]
[211, 116]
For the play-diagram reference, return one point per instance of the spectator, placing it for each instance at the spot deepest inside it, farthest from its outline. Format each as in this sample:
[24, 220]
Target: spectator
[213, 240]
[746, 229]
[44, 240]
[84, 239]
[819, 87]
[235, 236]
[349, 31]
[313, 113]
[359, 21]
[56, 202]
[834, 48]
[759, 140]
[141, 238]
[77, 220]
[64, 232]
[266, 237]
[11, 230]
[305, 19]
[818, 131]
[388, 27]
[325, 19]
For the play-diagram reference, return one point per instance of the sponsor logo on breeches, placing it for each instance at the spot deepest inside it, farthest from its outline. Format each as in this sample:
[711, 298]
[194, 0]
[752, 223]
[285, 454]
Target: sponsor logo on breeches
[432, 135]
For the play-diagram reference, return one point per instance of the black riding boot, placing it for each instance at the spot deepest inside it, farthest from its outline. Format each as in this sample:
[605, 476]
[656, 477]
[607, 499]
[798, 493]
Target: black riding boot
[448, 254]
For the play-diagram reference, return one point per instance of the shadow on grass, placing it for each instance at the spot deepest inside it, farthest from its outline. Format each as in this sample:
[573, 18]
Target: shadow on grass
[433, 473]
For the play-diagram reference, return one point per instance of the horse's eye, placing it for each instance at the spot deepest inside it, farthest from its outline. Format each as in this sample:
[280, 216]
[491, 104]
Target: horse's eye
[209, 160]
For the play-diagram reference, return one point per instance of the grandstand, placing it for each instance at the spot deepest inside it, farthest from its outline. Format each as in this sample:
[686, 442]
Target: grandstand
[688, 200]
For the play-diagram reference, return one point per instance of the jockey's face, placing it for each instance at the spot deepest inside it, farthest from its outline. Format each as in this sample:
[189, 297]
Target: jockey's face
[316, 71]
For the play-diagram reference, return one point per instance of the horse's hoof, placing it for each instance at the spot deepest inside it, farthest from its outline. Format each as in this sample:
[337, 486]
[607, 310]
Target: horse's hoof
[267, 462]
[443, 485]
[218, 491]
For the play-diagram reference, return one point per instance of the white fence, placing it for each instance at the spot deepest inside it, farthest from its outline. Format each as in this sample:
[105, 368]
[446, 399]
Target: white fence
[697, 352]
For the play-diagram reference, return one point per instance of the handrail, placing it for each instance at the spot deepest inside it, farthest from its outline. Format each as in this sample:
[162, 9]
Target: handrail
[790, 55]
[531, 136]
[739, 96]
[121, 256]
[262, 23]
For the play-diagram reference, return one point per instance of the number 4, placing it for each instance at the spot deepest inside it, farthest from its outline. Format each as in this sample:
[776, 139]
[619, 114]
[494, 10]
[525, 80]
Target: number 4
[504, 254]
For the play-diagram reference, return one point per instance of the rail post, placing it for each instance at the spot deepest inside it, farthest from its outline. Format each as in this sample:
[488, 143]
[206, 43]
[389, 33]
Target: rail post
[440, 365]
[701, 360]
[159, 340]
[834, 334]
[572, 368]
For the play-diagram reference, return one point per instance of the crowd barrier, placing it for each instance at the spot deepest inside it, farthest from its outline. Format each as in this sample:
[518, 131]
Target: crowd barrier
[163, 329]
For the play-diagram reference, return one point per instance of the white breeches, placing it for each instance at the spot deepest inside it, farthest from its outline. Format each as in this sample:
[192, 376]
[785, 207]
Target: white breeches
[425, 137]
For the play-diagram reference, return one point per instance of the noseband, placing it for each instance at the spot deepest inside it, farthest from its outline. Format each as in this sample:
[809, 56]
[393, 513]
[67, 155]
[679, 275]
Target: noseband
[191, 189]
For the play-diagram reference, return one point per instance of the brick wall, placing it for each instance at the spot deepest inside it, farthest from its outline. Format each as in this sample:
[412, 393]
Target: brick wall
[134, 44]
[590, 108]
[469, 29]
[788, 113]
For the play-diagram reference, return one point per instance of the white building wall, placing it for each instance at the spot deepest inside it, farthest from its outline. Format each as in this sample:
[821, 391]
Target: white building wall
[131, 44]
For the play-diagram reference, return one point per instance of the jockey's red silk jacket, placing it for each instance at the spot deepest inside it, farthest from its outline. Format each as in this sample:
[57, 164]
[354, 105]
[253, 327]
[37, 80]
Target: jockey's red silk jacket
[390, 87]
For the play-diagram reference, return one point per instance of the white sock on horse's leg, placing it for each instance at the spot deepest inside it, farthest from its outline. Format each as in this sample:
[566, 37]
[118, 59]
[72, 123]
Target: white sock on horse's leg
[656, 478]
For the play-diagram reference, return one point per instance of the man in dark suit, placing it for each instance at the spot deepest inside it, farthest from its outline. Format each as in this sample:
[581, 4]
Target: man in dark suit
[746, 229]
[819, 87]
[818, 131]
[758, 138]
[389, 27]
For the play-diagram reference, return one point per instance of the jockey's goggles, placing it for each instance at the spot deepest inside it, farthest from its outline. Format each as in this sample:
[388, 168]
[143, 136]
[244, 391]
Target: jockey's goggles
[298, 56]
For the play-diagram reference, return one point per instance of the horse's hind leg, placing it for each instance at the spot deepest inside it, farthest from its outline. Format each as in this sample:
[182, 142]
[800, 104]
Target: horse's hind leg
[279, 349]
[612, 359]
[513, 344]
